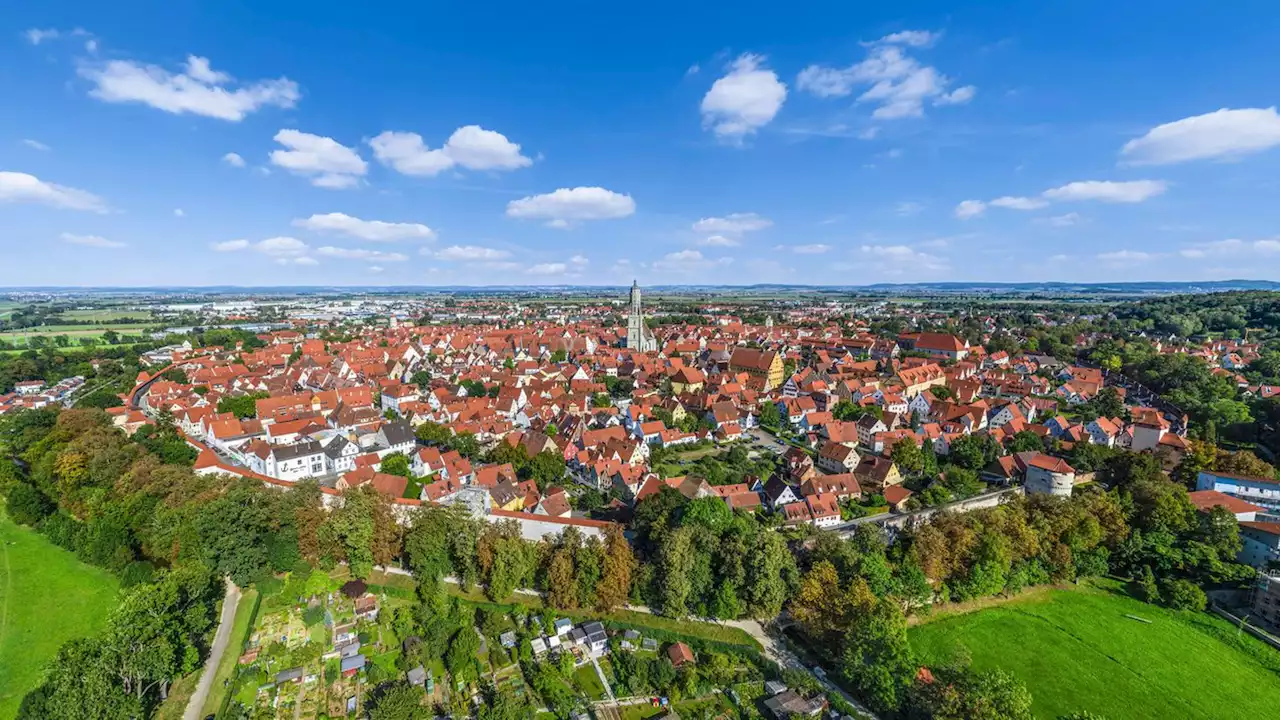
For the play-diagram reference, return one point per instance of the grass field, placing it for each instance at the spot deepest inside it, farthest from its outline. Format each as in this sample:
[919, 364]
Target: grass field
[47, 597]
[1076, 650]
[105, 315]
[75, 332]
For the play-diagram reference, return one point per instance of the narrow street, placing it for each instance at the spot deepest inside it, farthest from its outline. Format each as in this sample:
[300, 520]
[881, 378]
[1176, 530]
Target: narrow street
[220, 640]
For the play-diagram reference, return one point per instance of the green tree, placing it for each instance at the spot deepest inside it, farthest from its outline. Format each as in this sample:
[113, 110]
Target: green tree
[770, 417]
[396, 463]
[397, 701]
[907, 456]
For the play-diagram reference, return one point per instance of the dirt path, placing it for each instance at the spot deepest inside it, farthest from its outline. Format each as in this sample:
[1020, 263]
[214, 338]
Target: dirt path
[220, 639]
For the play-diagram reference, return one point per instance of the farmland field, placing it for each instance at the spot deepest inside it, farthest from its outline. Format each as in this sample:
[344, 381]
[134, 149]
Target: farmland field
[47, 597]
[1077, 650]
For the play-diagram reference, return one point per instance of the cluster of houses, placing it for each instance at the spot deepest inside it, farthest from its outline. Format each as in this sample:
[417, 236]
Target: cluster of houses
[547, 382]
[35, 394]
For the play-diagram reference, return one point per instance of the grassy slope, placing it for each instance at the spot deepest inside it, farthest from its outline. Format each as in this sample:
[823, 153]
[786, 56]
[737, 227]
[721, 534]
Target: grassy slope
[47, 597]
[1076, 650]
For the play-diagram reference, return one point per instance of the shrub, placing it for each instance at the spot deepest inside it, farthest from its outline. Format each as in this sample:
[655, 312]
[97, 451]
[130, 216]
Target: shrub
[27, 505]
[1184, 595]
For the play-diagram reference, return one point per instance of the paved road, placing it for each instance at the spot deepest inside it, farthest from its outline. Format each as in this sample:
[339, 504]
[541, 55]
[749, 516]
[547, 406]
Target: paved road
[220, 639]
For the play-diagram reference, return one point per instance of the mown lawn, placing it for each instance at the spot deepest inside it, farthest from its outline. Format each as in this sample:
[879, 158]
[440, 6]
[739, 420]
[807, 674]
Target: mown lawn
[47, 597]
[1076, 650]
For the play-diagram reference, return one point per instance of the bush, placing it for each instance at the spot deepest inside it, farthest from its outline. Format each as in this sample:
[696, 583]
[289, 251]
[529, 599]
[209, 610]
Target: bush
[1184, 595]
[27, 505]
[137, 573]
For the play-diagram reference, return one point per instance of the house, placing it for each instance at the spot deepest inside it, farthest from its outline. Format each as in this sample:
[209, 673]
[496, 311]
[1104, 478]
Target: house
[763, 364]
[777, 492]
[679, 654]
[597, 640]
[875, 473]
[395, 437]
[1206, 500]
[868, 427]
[790, 704]
[352, 665]
[1259, 544]
[896, 496]
[940, 345]
[1048, 475]
[293, 462]
[835, 458]
[824, 509]
[1260, 491]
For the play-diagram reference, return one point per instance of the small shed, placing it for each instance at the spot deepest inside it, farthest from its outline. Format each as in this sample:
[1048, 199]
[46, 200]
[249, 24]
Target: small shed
[679, 654]
[352, 665]
[418, 676]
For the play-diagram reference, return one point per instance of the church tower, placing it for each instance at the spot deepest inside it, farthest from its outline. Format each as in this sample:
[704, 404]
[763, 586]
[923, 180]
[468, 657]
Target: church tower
[639, 337]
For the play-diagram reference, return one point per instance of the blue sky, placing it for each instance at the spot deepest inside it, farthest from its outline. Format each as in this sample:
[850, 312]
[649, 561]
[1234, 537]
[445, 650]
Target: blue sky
[852, 143]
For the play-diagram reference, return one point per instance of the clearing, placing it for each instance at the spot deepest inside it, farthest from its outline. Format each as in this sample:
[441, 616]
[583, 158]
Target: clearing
[47, 597]
[1076, 650]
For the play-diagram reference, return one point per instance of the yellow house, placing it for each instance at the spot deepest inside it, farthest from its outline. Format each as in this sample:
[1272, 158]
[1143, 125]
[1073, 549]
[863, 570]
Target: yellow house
[687, 380]
[760, 363]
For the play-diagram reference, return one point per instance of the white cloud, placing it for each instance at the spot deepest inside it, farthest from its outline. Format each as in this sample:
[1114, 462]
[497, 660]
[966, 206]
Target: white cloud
[35, 145]
[869, 134]
[902, 259]
[230, 245]
[328, 163]
[914, 38]
[810, 249]
[371, 230]
[732, 224]
[566, 207]
[1232, 247]
[1221, 135]
[19, 187]
[907, 208]
[899, 84]
[1019, 203]
[970, 208]
[554, 268]
[718, 241]
[179, 212]
[35, 36]
[959, 96]
[688, 261]
[91, 241]
[744, 100]
[284, 250]
[233, 159]
[91, 46]
[198, 89]
[281, 247]
[1059, 258]
[470, 253]
[471, 147]
[361, 254]
[1126, 257]
[376, 268]
[1133, 191]
[1066, 220]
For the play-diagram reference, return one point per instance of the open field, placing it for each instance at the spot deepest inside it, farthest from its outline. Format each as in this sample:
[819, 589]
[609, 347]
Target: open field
[75, 332]
[47, 597]
[1076, 650]
[106, 315]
